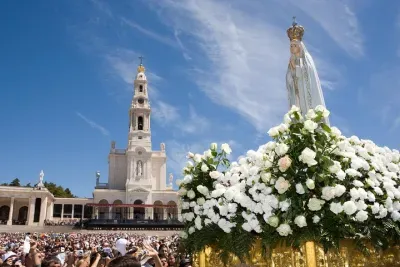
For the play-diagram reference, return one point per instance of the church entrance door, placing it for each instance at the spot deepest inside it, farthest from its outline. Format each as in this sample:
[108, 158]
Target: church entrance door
[138, 213]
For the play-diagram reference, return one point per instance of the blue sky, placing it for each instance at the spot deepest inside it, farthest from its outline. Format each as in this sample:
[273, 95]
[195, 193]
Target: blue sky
[216, 71]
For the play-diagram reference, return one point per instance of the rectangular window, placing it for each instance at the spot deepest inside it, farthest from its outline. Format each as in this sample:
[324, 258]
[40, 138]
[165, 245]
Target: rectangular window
[57, 210]
[140, 137]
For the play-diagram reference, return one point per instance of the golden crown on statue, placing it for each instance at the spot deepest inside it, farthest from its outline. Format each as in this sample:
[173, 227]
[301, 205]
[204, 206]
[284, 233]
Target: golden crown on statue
[295, 32]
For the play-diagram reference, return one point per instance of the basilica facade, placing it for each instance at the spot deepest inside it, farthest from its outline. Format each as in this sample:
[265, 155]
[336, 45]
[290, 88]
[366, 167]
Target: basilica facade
[136, 188]
[137, 174]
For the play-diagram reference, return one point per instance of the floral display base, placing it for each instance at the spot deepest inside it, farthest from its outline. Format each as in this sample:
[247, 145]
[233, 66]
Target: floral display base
[309, 255]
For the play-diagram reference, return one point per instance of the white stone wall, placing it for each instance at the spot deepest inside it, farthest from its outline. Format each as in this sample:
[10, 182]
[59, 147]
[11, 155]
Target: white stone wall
[117, 171]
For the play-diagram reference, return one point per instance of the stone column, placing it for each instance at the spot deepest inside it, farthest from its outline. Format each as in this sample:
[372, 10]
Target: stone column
[50, 211]
[62, 211]
[43, 211]
[10, 215]
[31, 210]
[72, 214]
[110, 213]
[83, 212]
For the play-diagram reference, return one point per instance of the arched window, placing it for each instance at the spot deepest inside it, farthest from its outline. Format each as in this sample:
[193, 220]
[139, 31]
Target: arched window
[140, 123]
[141, 88]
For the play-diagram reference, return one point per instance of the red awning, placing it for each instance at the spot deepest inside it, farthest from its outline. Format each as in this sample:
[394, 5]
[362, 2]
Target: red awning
[130, 205]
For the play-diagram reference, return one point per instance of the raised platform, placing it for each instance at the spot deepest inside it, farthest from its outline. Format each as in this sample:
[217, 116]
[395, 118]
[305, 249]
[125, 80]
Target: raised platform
[70, 229]
[103, 224]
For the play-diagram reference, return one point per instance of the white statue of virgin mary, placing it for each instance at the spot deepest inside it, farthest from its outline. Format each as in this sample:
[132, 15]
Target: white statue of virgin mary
[302, 81]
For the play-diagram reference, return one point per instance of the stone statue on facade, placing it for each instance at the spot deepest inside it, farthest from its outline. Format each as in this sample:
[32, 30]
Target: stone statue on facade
[97, 177]
[302, 81]
[139, 169]
[171, 179]
[41, 177]
[112, 144]
[162, 146]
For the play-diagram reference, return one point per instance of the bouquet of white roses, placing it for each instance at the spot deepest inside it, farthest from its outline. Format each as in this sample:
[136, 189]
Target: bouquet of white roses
[309, 183]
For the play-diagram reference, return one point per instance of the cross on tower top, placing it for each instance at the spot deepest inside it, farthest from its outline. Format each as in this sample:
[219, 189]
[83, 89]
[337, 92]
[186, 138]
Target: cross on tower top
[294, 23]
[141, 68]
[141, 60]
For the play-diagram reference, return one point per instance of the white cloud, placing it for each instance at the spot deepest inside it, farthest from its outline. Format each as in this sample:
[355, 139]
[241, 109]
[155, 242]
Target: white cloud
[185, 52]
[123, 62]
[195, 123]
[93, 124]
[338, 20]
[243, 58]
[149, 33]
[396, 124]
[164, 113]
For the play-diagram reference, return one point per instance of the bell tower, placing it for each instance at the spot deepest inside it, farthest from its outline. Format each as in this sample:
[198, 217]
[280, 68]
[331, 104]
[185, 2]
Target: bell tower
[139, 113]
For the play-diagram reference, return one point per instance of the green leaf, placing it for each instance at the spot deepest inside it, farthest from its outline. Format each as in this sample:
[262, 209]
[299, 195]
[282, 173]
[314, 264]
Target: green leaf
[326, 128]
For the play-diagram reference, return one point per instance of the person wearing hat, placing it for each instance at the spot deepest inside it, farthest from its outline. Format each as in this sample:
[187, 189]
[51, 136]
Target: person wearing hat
[8, 258]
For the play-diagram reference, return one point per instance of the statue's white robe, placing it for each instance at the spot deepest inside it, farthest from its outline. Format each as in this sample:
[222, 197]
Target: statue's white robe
[309, 85]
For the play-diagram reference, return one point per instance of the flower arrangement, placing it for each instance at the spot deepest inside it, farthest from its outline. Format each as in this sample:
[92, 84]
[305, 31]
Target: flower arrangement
[309, 184]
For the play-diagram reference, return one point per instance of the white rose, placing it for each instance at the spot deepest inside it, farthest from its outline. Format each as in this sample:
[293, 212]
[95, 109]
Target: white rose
[362, 216]
[273, 221]
[310, 126]
[202, 190]
[189, 164]
[281, 149]
[265, 177]
[197, 158]
[187, 179]
[207, 153]
[310, 184]
[287, 119]
[204, 168]
[341, 175]
[300, 221]
[316, 219]
[191, 194]
[315, 204]
[339, 190]
[191, 230]
[270, 145]
[188, 216]
[284, 229]
[283, 128]
[190, 155]
[183, 235]
[284, 163]
[213, 146]
[300, 189]
[328, 193]
[215, 174]
[335, 168]
[311, 114]
[273, 132]
[395, 216]
[201, 200]
[336, 207]
[349, 207]
[182, 191]
[308, 157]
[335, 132]
[226, 148]
[321, 109]
[282, 185]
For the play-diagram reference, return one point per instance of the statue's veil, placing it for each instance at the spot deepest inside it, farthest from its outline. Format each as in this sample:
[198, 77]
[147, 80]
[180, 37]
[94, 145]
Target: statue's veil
[316, 93]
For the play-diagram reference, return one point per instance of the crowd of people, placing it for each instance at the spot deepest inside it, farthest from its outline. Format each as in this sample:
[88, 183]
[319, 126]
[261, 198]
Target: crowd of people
[91, 250]
[65, 222]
